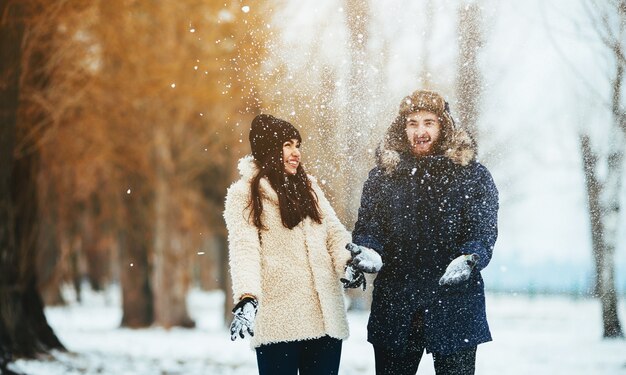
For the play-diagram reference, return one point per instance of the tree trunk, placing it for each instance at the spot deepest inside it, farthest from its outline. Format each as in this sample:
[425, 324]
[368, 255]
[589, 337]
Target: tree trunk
[136, 233]
[468, 76]
[354, 135]
[22, 307]
[428, 20]
[50, 262]
[602, 249]
[609, 21]
[224, 276]
[97, 260]
[136, 240]
[10, 54]
[170, 266]
[610, 195]
[208, 265]
[24, 330]
[75, 261]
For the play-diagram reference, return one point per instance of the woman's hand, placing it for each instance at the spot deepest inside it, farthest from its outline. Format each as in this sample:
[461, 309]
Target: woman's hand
[353, 278]
[244, 312]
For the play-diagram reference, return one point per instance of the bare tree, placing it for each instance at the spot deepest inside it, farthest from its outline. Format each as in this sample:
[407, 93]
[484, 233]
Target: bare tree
[468, 83]
[11, 34]
[136, 234]
[24, 329]
[354, 133]
[609, 21]
[427, 34]
[602, 250]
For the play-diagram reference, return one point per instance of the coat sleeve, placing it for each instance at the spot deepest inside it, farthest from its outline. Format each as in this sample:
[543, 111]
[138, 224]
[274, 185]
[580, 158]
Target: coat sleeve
[337, 237]
[244, 247]
[368, 230]
[480, 217]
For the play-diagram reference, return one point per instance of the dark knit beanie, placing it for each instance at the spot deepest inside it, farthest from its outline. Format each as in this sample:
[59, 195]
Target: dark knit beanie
[267, 135]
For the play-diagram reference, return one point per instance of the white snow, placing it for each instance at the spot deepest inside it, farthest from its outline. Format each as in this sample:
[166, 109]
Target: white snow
[532, 335]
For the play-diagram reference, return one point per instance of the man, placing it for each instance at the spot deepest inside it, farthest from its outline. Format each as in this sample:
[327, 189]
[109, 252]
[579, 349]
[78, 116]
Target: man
[430, 210]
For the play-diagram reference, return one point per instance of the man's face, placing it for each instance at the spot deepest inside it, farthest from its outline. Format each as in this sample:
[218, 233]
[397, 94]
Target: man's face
[423, 129]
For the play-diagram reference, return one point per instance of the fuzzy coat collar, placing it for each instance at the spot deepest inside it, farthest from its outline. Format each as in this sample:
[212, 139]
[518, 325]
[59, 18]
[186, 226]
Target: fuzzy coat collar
[248, 169]
[460, 149]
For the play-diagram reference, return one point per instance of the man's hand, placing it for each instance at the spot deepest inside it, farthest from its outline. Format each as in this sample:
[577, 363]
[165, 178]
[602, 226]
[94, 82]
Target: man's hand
[459, 270]
[353, 278]
[364, 259]
[244, 313]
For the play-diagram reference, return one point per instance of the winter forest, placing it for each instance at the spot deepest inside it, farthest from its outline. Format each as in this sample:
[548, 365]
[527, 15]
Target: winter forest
[121, 123]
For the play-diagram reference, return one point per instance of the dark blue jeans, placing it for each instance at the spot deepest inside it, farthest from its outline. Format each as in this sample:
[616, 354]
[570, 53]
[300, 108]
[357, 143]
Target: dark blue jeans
[389, 362]
[312, 357]
[459, 363]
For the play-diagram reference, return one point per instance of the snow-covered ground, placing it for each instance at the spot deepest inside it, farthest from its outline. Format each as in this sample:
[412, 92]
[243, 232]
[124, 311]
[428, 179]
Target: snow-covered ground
[532, 335]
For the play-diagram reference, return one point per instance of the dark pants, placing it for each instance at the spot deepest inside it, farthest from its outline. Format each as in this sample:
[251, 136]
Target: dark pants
[312, 357]
[389, 362]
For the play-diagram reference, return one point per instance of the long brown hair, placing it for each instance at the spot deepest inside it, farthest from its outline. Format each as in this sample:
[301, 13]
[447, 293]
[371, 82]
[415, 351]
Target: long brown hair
[296, 198]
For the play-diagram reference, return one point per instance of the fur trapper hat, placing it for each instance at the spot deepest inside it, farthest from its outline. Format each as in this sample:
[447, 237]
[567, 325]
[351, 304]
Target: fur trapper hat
[455, 144]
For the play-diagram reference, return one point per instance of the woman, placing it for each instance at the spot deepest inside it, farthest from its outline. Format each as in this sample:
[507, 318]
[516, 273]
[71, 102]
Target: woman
[287, 255]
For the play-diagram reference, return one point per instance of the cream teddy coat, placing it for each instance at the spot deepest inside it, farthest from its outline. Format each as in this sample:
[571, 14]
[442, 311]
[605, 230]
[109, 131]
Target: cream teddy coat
[293, 273]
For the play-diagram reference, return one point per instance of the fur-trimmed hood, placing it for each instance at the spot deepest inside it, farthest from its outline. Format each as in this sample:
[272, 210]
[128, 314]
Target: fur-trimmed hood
[458, 146]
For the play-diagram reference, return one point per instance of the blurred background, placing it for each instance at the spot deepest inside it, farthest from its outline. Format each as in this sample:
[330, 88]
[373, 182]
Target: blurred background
[122, 122]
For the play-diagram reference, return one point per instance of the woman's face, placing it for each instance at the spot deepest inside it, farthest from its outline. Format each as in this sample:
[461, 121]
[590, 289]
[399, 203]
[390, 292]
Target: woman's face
[291, 156]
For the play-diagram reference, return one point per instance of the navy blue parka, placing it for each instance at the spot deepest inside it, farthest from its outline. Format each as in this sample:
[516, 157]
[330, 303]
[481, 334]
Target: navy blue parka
[419, 216]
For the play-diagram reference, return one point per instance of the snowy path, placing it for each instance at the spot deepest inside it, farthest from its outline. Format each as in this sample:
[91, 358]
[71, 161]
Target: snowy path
[533, 335]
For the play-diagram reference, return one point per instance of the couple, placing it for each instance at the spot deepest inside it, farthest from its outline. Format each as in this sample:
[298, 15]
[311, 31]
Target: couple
[427, 224]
